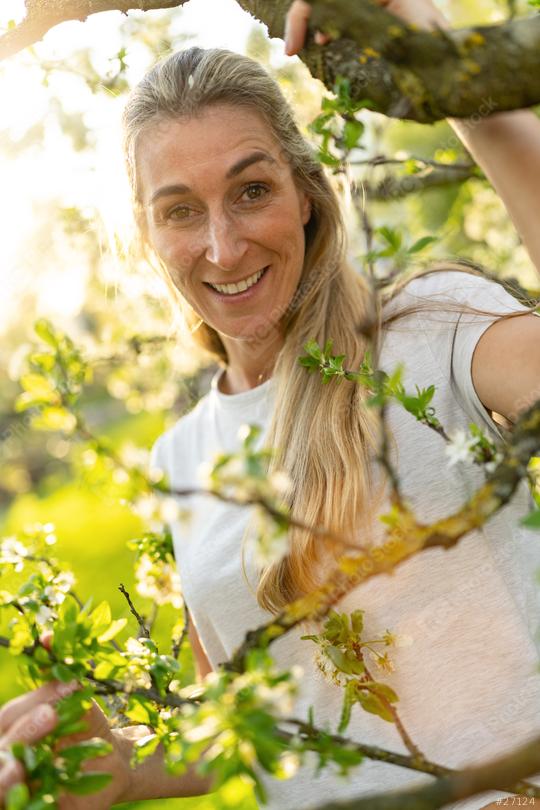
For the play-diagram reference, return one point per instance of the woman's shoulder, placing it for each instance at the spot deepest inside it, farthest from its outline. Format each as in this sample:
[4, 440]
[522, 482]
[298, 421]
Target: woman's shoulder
[455, 287]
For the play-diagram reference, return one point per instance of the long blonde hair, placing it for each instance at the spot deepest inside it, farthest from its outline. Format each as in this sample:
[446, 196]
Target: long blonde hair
[323, 434]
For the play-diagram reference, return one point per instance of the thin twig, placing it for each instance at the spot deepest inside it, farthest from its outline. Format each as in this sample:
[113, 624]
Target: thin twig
[179, 642]
[402, 731]
[383, 160]
[143, 629]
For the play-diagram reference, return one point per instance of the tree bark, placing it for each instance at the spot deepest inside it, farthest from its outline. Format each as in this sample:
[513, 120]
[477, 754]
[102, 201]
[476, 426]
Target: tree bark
[419, 75]
[495, 775]
[397, 69]
[42, 15]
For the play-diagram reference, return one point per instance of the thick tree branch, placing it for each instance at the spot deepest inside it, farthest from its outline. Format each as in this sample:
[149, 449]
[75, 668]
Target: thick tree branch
[309, 734]
[494, 775]
[421, 75]
[405, 538]
[398, 69]
[42, 15]
[391, 187]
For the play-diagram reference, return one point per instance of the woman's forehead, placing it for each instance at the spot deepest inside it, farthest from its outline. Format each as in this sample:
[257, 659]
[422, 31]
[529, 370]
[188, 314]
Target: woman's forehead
[211, 143]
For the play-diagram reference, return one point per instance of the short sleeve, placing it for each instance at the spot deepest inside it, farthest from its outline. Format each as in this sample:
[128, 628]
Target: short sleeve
[484, 295]
[464, 307]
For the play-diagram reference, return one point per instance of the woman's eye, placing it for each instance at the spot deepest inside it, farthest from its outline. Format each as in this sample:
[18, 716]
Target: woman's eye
[179, 212]
[255, 191]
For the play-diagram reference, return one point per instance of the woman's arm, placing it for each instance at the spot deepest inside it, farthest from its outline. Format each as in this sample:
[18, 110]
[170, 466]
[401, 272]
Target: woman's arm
[31, 717]
[506, 146]
[506, 366]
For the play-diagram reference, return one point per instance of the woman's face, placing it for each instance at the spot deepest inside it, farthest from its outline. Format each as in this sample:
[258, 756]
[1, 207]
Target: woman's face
[222, 208]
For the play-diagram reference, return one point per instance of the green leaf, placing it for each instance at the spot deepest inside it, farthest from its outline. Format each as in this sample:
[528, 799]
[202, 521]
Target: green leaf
[421, 244]
[88, 782]
[113, 630]
[340, 660]
[328, 159]
[140, 711]
[18, 797]
[39, 386]
[385, 691]
[101, 616]
[373, 704]
[349, 699]
[352, 132]
[55, 418]
[45, 330]
[87, 749]
[62, 673]
[532, 520]
[145, 748]
[357, 621]
[391, 236]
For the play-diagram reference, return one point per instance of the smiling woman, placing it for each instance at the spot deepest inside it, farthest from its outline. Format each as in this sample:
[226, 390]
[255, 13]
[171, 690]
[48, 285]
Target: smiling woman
[229, 229]
[238, 214]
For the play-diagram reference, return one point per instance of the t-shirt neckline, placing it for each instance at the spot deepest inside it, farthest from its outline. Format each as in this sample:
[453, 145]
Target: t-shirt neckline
[232, 402]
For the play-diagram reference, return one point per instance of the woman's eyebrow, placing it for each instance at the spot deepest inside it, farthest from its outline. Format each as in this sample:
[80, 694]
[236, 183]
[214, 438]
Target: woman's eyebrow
[242, 164]
[238, 168]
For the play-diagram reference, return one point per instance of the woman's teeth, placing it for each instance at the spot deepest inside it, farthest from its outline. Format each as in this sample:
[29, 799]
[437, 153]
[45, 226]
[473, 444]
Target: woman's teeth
[232, 289]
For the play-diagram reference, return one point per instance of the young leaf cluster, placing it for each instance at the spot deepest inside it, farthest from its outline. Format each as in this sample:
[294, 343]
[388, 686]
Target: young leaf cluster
[394, 247]
[54, 380]
[341, 657]
[337, 125]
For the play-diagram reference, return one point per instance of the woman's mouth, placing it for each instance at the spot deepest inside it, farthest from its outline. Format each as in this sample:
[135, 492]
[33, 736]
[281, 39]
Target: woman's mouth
[242, 290]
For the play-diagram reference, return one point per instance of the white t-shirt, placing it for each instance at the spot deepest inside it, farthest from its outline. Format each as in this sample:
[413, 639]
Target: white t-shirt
[468, 682]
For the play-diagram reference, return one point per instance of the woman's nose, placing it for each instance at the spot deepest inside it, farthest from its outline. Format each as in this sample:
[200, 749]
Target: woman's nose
[225, 246]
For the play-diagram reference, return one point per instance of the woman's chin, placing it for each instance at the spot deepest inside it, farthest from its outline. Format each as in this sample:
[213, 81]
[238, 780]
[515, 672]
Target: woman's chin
[258, 331]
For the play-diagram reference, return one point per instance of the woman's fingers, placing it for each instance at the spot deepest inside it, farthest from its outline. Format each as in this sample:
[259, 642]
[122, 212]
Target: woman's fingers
[30, 727]
[422, 13]
[49, 693]
[11, 773]
[27, 729]
[296, 26]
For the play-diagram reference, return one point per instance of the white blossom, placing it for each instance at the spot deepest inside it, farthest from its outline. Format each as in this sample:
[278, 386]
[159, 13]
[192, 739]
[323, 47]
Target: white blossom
[134, 647]
[459, 447]
[13, 552]
[271, 544]
[158, 581]
[147, 506]
[54, 596]
[289, 762]
[45, 615]
[133, 456]
[281, 482]
[64, 581]
[169, 510]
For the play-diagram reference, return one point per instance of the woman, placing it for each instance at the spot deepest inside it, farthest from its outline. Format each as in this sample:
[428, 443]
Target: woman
[248, 230]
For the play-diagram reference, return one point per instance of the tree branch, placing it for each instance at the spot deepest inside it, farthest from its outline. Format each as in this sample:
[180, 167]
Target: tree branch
[42, 15]
[310, 734]
[144, 631]
[398, 69]
[495, 775]
[405, 538]
[420, 75]
[391, 187]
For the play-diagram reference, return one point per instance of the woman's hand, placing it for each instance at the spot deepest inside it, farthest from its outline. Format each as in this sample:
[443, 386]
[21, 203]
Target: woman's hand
[415, 12]
[29, 718]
